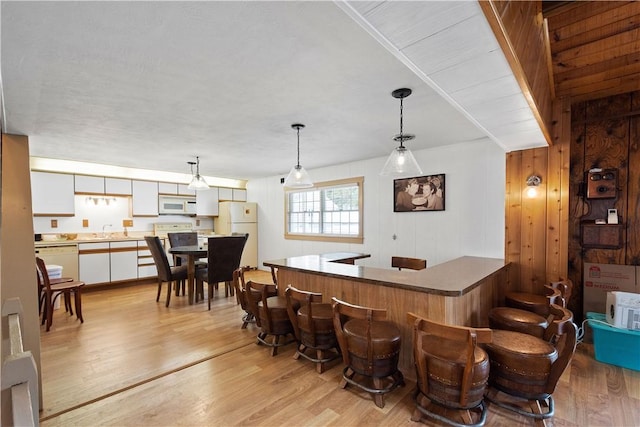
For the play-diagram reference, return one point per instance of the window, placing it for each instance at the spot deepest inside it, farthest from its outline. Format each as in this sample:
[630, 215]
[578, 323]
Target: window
[329, 211]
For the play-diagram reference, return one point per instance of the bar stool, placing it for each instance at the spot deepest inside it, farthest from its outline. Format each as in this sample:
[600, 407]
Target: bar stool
[539, 303]
[272, 316]
[370, 347]
[313, 326]
[410, 263]
[525, 321]
[452, 372]
[528, 368]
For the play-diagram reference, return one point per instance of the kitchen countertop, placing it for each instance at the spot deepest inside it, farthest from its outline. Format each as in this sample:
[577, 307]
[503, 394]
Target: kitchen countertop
[116, 237]
[63, 242]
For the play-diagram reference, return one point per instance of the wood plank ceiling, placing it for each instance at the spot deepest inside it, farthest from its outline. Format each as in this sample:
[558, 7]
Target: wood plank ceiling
[595, 47]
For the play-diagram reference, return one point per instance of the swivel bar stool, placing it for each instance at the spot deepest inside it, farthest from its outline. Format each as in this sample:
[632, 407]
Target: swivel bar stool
[527, 368]
[313, 326]
[370, 347]
[452, 372]
[272, 316]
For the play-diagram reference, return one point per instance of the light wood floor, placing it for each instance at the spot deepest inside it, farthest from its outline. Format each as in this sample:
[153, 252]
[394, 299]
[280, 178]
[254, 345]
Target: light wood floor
[136, 363]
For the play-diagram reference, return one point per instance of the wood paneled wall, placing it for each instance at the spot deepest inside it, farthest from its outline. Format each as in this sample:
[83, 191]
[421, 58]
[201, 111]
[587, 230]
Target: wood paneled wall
[542, 234]
[536, 235]
[605, 134]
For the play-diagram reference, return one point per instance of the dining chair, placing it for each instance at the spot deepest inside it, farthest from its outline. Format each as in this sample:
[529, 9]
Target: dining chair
[52, 281]
[409, 263]
[188, 238]
[52, 291]
[223, 258]
[166, 273]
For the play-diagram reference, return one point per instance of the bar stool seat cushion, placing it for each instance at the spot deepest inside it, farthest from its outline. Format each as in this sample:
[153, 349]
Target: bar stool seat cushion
[280, 323]
[514, 319]
[446, 361]
[322, 315]
[385, 339]
[538, 304]
[520, 363]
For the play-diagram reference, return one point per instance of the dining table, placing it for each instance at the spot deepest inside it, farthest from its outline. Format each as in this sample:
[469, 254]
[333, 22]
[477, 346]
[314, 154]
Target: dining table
[193, 253]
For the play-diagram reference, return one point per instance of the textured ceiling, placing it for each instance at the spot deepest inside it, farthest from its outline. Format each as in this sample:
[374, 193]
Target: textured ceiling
[153, 84]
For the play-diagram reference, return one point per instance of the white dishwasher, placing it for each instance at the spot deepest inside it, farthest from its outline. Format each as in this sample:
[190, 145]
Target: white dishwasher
[65, 255]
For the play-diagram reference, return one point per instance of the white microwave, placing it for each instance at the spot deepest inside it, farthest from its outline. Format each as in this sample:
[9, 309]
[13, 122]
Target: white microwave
[177, 205]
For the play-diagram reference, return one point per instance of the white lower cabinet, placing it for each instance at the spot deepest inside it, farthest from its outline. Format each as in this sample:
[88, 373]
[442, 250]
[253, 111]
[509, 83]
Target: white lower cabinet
[116, 261]
[94, 263]
[146, 266]
[124, 260]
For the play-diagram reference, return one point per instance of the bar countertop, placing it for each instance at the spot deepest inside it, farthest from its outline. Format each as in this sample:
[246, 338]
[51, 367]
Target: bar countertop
[452, 278]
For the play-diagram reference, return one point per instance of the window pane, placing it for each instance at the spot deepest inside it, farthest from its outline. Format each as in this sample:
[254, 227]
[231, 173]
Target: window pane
[332, 210]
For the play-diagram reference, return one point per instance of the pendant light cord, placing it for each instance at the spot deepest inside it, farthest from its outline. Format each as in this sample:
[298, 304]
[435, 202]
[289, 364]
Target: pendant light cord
[401, 136]
[298, 164]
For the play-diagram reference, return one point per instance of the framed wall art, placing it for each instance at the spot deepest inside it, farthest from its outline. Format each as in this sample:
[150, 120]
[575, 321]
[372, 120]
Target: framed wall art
[421, 193]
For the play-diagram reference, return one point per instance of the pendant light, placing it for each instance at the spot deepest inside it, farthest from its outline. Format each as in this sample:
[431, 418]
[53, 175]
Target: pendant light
[298, 177]
[401, 160]
[197, 182]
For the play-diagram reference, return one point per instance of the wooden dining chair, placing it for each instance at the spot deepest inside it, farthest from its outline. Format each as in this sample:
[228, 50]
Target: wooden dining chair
[166, 273]
[409, 263]
[188, 238]
[223, 258]
[53, 292]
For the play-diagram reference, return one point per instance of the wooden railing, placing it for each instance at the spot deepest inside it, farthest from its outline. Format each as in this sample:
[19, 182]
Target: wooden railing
[19, 372]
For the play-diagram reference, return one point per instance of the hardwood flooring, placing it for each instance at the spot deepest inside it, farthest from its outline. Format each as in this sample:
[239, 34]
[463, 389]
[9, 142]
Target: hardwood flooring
[135, 362]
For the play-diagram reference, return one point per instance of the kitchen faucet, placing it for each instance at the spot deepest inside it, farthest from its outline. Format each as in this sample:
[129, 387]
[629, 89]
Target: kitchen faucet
[103, 227]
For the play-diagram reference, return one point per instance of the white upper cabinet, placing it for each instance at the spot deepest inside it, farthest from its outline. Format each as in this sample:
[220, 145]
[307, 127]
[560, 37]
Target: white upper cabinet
[225, 194]
[167, 188]
[207, 202]
[145, 198]
[100, 185]
[239, 195]
[89, 184]
[52, 194]
[118, 186]
[184, 190]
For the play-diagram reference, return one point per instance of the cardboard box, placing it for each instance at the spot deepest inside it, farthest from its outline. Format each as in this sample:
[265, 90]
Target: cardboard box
[602, 278]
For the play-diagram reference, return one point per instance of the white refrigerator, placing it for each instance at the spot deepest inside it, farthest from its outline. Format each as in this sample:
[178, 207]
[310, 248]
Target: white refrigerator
[240, 217]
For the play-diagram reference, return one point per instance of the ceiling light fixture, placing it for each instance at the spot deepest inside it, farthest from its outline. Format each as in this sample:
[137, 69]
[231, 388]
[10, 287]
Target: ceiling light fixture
[197, 182]
[401, 160]
[298, 177]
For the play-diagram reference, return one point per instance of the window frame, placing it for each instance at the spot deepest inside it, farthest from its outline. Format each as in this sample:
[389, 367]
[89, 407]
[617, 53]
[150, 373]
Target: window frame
[359, 238]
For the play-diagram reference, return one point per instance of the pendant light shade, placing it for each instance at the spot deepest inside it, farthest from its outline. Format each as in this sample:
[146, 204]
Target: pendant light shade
[197, 182]
[401, 160]
[298, 177]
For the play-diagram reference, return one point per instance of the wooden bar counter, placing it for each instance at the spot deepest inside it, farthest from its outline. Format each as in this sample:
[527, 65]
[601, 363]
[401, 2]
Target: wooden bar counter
[457, 292]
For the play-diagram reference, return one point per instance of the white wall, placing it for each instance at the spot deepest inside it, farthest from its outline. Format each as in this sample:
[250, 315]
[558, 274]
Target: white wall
[472, 223]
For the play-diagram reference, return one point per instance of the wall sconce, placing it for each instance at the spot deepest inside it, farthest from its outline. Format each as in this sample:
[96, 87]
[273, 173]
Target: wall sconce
[532, 185]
